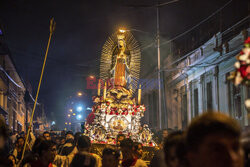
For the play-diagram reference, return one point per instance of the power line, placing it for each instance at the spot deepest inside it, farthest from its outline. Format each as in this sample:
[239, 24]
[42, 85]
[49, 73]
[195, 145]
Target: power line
[218, 10]
[187, 31]
[220, 38]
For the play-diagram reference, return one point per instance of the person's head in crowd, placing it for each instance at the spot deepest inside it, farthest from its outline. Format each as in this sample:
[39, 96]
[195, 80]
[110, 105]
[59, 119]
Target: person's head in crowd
[20, 141]
[3, 134]
[213, 140]
[127, 148]
[137, 149]
[110, 158]
[175, 149]
[119, 138]
[69, 135]
[83, 160]
[164, 133]
[77, 135]
[47, 135]
[57, 140]
[12, 158]
[62, 140]
[84, 144]
[47, 151]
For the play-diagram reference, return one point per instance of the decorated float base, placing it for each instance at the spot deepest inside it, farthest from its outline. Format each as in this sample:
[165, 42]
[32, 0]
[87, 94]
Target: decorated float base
[107, 120]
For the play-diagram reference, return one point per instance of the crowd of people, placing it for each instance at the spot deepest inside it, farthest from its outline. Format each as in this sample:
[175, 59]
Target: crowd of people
[211, 140]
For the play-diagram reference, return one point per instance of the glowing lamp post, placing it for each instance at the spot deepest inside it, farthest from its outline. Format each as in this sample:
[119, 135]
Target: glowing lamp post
[79, 94]
[79, 108]
[79, 117]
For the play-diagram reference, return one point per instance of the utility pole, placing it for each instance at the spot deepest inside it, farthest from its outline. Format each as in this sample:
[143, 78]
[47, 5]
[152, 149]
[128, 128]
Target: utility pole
[158, 5]
[159, 64]
[159, 55]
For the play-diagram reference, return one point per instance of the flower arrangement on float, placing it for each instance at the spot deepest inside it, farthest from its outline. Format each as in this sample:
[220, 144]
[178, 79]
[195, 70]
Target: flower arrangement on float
[124, 110]
[241, 75]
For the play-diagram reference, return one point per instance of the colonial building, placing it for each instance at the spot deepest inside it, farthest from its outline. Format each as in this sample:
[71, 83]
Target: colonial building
[16, 101]
[196, 81]
[200, 83]
[12, 92]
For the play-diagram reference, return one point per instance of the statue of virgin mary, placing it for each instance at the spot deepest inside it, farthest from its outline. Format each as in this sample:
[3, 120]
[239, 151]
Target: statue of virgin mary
[120, 71]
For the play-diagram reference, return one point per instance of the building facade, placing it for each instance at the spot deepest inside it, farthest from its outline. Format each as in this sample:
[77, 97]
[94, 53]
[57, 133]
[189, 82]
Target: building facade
[199, 83]
[16, 101]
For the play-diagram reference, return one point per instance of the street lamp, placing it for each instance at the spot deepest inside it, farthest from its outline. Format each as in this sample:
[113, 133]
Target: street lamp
[70, 110]
[78, 117]
[66, 123]
[79, 108]
[79, 94]
[68, 115]
[91, 76]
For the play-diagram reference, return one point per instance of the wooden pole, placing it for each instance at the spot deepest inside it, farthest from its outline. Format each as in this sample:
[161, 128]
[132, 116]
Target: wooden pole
[52, 29]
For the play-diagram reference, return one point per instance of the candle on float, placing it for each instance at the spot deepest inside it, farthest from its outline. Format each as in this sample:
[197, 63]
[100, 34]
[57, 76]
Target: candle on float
[139, 95]
[104, 91]
[99, 88]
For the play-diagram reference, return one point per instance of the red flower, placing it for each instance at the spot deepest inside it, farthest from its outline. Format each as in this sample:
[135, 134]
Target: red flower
[243, 71]
[116, 113]
[247, 40]
[90, 118]
[133, 113]
[248, 72]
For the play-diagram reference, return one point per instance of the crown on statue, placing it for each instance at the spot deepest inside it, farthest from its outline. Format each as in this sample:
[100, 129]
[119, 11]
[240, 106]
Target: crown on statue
[121, 34]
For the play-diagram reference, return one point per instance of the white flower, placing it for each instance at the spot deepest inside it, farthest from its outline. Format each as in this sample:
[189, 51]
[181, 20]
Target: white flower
[237, 64]
[246, 51]
[245, 56]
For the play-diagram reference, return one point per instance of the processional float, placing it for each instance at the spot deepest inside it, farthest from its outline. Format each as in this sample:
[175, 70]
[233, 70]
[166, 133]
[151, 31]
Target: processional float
[118, 109]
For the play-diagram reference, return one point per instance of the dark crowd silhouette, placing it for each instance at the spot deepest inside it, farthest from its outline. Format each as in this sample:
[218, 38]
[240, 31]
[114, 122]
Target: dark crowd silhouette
[211, 140]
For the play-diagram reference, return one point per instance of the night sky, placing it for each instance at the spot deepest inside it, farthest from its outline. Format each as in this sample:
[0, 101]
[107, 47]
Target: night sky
[82, 27]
